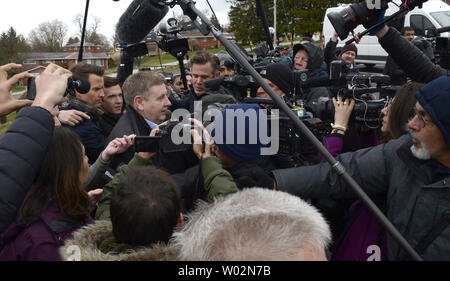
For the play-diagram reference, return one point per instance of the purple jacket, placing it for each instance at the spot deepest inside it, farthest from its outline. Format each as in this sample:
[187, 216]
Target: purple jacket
[334, 143]
[40, 240]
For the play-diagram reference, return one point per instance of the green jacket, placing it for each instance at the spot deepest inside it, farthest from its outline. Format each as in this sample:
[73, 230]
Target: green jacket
[217, 182]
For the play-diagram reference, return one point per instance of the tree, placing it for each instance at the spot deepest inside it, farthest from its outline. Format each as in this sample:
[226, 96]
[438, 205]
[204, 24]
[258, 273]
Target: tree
[48, 36]
[293, 17]
[11, 45]
[92, 33]
[73, 40]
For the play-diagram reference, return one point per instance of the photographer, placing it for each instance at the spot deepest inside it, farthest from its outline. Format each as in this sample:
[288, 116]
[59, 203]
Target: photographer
[347, 55]
[24, 145]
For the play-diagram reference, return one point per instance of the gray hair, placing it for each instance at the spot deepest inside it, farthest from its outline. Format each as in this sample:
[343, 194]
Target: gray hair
[139, 84]
[253, 224]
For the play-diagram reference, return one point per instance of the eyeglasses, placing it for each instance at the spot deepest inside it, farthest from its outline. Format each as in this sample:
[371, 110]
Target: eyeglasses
[422, 121]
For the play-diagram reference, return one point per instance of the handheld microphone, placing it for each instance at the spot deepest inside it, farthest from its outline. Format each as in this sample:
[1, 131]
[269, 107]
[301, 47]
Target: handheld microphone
[139, 18]
[82, 85]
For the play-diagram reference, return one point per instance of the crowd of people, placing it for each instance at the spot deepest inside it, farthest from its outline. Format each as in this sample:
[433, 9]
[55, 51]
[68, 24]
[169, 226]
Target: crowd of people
[73, 177]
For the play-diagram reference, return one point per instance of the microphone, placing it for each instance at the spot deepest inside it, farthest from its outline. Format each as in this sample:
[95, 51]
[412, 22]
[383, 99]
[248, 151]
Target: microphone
[82, 85]
[213, 83]
[316, 82]
[139, 18]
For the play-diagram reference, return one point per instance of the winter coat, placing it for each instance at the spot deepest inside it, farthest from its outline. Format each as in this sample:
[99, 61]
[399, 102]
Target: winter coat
[315, 61]
[418, 192]
[398, 76]
[334, 143]
[89, 240]
[90, 131]
[22, 148]
[410, 59]
[39, 240]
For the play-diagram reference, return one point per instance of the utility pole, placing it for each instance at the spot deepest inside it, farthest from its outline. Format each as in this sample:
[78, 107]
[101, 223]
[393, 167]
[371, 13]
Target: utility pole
[275, 22]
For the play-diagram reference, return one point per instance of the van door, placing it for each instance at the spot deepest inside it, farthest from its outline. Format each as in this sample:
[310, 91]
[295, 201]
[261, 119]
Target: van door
[420, 23]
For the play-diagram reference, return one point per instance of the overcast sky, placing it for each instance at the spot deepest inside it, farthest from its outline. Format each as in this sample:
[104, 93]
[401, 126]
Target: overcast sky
[24, 15]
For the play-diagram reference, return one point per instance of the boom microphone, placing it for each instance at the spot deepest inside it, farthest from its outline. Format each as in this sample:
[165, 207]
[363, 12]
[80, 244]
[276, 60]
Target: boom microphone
[139, 18]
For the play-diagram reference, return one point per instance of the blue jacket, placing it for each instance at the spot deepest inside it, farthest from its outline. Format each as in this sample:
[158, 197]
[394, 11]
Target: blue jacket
[22, 149]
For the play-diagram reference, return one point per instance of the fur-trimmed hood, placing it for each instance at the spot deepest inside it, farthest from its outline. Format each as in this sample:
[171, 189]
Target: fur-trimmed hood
[84, 247]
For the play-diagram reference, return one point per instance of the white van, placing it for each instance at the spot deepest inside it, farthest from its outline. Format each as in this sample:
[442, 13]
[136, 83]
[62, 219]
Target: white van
[434, 14]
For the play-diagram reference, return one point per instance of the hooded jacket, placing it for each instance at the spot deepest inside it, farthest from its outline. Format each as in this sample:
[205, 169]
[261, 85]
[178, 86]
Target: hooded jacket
[315, 61]
[86, 242]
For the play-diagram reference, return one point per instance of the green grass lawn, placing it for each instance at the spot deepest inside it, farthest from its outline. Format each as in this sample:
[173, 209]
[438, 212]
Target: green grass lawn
[9, 118]
[16, 89]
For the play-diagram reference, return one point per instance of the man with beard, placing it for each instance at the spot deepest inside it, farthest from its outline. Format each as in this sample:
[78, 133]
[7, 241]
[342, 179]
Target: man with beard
[412, 171]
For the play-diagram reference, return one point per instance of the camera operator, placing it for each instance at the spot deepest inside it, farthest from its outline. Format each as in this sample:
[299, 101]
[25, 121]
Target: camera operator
[309, 56]
[280, 78]
[226, 64]
[203, 67]
[347, 55]
[407, 170]
[24, 145]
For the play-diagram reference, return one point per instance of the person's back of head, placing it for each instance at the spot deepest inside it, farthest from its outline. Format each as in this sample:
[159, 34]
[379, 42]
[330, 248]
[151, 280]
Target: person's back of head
[61, 175]
[254, 224]
[238, 131]
[145, 208]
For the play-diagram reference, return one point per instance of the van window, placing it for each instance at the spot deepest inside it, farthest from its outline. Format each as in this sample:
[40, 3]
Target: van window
[420, 23]
[443, 18]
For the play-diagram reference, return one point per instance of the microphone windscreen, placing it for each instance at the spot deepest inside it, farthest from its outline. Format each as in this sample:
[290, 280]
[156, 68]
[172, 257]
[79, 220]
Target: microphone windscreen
[82, 85]
[139, 18]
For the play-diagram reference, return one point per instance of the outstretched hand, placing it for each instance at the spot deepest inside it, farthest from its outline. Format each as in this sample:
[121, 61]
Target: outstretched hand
[7, 102]
[117, 146]
[198, 142]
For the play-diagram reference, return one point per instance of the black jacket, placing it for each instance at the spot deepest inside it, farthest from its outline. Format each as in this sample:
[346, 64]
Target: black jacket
[398, 76]
[315, 61]
[418, 192]
[90, 131]
[22, 149]
[409, 58]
